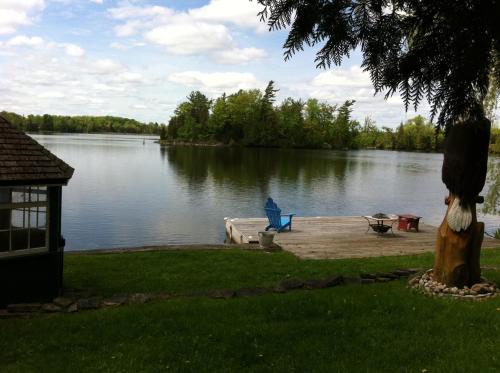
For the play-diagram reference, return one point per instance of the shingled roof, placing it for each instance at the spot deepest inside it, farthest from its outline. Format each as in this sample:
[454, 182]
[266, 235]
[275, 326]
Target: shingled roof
[23, 161]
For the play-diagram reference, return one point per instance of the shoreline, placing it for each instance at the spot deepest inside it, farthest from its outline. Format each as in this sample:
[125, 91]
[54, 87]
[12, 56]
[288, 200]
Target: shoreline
[154, 248]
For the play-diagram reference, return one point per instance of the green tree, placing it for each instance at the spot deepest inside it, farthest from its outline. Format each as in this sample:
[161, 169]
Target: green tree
[291, 123]
[268, 120]
[47, 123]
[219, 124]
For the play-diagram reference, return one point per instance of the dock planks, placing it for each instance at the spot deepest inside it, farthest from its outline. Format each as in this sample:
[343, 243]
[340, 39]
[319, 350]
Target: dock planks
[338, 237]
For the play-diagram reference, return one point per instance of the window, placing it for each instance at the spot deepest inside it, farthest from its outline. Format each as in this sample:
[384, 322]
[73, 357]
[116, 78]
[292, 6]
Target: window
[23, 220]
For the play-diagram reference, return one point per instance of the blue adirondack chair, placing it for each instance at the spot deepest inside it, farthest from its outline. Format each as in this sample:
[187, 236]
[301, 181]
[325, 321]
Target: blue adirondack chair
[276, 220]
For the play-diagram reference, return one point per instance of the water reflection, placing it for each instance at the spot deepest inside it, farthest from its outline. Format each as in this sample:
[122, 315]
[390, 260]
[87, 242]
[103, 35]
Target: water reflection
[126, 193]
[238, 167]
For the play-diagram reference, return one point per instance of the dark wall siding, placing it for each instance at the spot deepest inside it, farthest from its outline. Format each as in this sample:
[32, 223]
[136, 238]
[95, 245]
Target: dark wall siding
[38, 277]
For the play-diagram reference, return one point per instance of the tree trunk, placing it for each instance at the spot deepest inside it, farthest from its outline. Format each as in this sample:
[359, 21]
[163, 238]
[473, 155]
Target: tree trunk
[457, 253]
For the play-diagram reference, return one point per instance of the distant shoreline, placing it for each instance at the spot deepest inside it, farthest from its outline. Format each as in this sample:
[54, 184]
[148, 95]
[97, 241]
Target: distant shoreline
[94, 133]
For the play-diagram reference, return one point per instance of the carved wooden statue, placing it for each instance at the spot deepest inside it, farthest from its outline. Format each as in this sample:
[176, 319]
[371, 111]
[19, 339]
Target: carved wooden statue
[464, 173]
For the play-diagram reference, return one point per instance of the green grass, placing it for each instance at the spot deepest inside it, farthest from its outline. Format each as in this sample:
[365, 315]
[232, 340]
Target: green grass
[191, 271]
[357, 328]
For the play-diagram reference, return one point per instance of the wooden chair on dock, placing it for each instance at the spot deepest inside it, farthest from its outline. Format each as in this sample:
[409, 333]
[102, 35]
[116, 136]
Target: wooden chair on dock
[276, 220]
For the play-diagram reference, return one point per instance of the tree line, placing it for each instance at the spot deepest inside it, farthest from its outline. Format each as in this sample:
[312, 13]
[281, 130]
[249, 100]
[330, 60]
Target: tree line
[250, 118]
[79, 124]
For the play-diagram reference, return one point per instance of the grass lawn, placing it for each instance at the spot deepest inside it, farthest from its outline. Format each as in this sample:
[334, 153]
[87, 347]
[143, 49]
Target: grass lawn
[357, 328]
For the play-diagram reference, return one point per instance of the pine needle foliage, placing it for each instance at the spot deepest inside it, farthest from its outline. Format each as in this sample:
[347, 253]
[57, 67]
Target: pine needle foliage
[441, 51]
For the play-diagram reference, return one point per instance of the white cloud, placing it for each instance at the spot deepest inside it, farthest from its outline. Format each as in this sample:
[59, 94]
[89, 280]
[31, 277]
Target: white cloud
[128, 11]
[216, 82]
[51, 94]
[237, 55]
[105, 66]
[202, 30]
[16, 13]
[191, 38]
[97, 1]
[107, 87]
[120, 46]
[353, 77]
[341, 84]
[74, 50]
[45, 80]
[129, 28]
[129, 77]
[242, 13]
[26, 41]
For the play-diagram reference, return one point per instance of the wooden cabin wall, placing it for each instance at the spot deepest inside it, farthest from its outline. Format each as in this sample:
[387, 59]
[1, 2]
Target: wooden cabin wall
[36, 277]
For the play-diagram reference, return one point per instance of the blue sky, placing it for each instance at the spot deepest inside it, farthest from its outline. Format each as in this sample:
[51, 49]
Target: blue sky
[140, 59]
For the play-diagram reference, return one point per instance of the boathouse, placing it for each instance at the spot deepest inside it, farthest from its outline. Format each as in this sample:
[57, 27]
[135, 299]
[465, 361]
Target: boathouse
[31, 245]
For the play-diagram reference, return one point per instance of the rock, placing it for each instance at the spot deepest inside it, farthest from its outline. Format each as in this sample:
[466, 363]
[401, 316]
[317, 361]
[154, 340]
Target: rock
[24, 307]
[368, 276]
[382, 279]
[291, 284]
[89, 303]
[413, 281]
[333, 280]
[139, 298]
[115, 300]
[72, 308]
[367, 280]
[388, 275]
[401, 273]
[481, 288]
[51, 307]
[314, 284]
[222, 294]
[411, 270]
[279, 289]
[351, 280]
[5, 314]
[454, 290]
[250, 292]
[62, 302]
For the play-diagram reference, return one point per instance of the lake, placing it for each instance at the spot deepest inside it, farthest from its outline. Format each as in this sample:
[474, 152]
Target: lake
[129, 191]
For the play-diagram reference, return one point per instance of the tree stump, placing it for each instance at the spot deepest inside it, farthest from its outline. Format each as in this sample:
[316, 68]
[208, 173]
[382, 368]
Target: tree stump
[457, 253]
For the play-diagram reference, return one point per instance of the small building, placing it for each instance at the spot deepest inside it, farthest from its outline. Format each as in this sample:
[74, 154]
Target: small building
[31, 245]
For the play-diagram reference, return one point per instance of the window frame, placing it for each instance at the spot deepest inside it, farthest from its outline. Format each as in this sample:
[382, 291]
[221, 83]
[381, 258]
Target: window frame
[20, 206]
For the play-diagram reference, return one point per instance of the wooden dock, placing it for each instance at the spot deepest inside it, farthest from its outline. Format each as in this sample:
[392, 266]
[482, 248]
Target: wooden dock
[336, 237]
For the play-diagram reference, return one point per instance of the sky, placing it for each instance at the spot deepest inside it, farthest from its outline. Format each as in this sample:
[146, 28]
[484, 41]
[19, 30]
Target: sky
[139, 59]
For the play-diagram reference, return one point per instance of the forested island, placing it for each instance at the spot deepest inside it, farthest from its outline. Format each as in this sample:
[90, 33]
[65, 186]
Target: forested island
[80, 124]
[250, 118]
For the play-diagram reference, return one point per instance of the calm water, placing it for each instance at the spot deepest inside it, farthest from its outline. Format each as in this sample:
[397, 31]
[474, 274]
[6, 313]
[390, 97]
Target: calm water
[129, 191]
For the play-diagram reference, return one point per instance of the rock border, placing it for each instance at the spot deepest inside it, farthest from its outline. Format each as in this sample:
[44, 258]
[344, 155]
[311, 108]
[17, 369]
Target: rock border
[480, 291]
[74, 303]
